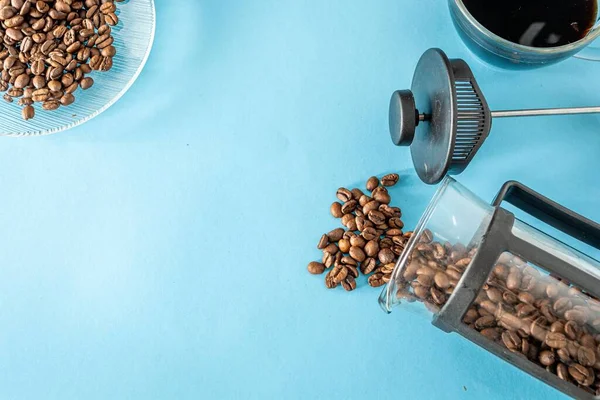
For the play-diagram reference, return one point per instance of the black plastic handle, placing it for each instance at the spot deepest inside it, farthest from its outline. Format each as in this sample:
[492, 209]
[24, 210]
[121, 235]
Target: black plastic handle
[549, 212]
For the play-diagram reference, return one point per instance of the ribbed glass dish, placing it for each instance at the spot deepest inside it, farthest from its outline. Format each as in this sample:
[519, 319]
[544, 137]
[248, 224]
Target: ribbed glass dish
[133, 37]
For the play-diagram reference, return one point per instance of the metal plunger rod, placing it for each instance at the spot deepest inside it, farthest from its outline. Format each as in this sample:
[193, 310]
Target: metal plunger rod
[545, 111]
[534, 112]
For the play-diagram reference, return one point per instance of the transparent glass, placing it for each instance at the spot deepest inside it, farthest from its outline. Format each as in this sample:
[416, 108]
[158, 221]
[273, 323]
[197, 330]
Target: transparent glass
[542, 317]
[448, 233]
[133, 37]
[501, 52]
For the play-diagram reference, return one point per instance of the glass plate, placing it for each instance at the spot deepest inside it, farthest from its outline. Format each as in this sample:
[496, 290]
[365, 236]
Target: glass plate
[133, 36]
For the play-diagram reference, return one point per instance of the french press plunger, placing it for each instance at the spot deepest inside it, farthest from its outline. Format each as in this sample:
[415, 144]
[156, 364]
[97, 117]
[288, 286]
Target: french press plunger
[445, 118]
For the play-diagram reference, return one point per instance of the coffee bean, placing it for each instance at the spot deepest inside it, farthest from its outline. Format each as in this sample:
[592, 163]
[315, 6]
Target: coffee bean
[329, 282]
[331, 249]
[373, 205]
[386, 256]
[372, 183]
[552, 291]
[511, 341]
[547, 358]
[347, 260]
[368, 266]
[376, 280]
[381, 195]
[358, 241]
[576, 315]
[485, 322]
[357, 253]
[562, 304]
[316, 268]
[369, 233]
[372, 248]
[28, 113]
[441, 280]
[349, 284]
[556, 340]
[579, 373]
[563, 355]
[336, 210]
[328, 259]
[470, 316]
[390, 180]
[50, 105]
[323, 242]
[491, 333]
[557, 327]
[339, 273]
[344, 194]
[586, 356]
[376, 217]
[572, 330]
[344, 245]
[335, 235]
[562, 371]
[438, 297]
[348, 206]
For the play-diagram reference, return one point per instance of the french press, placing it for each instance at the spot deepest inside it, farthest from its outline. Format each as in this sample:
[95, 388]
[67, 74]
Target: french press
[506, 286]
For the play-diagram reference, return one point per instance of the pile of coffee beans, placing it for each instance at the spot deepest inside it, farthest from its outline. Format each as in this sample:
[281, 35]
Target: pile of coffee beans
[48, 47]
[541, 317]
[371, 240]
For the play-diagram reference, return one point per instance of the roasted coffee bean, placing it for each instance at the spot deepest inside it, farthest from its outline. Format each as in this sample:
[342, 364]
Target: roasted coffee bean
[563, 355]
[50, 105]
[376, 280]
[339, 273]
[557, 327]
[331, 248]
[335, 235]
[562, 371]
[376, 217]
[552, 291]
[369, 233]
[323, 242]
[347, 260]
[316, 268]
[556, 340]
[357, 253]
[28, 113]
[491, 333]
[352, 271]
[572, 330]
[587, 340]
[547, 358]
[381, 195]
[329, 282]
[509, 297]
[470, 316]
[511, 341]
[344, 245]
[441, 280]
[328, 259]
[372, 248]
[579, 373]
[485, 322]
[368, 266]
[344, 195]
[386, 256]
[349, 206]
[349, 284]
[358, 241]
[347, 218]
[576, 315]
[586, 356]
[372, 205]
[336, 210]
[390, 179]
[438, 296]
[364, 200]
[372, 183]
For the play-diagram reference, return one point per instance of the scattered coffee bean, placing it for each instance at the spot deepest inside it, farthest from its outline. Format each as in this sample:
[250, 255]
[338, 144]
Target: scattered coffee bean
[547, 358]
[372, 183]
[336, 210]
[316, 268]
[390, 179]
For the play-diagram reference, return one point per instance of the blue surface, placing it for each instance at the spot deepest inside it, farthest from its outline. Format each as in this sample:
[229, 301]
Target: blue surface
[160, 250]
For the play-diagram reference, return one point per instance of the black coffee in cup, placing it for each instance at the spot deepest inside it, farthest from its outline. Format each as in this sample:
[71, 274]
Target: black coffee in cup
[536, 23]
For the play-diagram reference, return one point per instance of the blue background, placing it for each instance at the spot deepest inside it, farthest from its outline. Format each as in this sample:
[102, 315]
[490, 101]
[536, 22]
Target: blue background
[160, 250]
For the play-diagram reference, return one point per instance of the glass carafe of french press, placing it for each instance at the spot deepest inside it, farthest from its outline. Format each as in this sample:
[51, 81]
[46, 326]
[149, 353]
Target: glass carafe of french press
[506, 286]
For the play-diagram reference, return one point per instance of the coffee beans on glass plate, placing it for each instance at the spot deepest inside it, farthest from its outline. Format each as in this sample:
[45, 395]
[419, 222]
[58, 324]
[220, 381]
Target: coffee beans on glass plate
[371, 240]
[49, 47]
[539, 316]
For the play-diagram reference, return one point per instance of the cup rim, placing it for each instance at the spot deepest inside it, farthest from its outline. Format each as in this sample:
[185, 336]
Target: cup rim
[590, 37]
